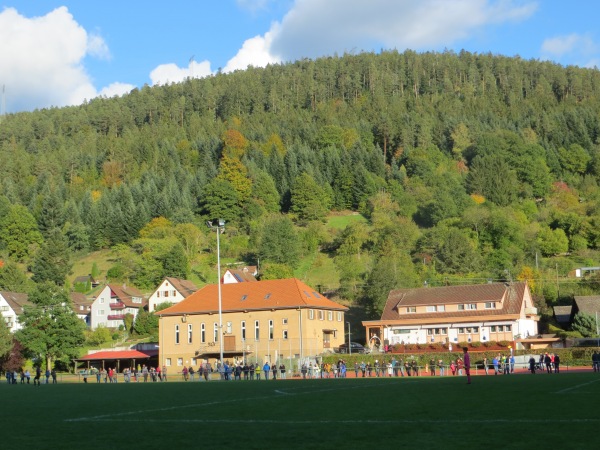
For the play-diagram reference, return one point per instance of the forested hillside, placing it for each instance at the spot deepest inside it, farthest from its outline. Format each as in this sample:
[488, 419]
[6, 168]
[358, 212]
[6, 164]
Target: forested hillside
[467, 167]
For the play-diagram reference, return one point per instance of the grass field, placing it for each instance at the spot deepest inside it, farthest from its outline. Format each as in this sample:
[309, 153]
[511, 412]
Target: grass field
[516, 411]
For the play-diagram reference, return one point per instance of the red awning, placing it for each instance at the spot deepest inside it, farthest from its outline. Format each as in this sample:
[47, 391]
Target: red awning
[121, 354]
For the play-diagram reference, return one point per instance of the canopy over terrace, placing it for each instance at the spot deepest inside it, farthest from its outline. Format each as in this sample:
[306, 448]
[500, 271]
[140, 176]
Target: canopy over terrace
[120, 358]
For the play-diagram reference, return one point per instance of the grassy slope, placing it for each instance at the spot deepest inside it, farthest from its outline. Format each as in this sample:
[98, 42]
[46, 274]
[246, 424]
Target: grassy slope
[509, 412]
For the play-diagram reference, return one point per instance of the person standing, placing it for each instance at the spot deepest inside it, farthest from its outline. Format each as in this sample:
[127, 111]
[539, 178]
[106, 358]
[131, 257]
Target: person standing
[467, 363]
[274, 370]
[532, 365]
[164, 373]
[38, 375]
[282, 371]
[53, 375]
[266, 370]
[556, 364]
[432, 367]
[548, 362]
[485, 365]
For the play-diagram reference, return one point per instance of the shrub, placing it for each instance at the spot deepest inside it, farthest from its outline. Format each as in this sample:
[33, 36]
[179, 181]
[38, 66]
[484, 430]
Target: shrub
[504, 343]
[476, 344]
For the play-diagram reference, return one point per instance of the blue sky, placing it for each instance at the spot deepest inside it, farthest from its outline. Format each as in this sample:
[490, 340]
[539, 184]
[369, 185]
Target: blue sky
[56, 53]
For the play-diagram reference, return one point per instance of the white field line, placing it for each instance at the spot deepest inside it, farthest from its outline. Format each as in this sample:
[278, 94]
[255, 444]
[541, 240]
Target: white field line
[577, 386]
[359, 421]
[120, 416]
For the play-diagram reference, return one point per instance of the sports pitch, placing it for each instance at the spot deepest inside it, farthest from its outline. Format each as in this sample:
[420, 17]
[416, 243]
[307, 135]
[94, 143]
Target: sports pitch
[514, 411]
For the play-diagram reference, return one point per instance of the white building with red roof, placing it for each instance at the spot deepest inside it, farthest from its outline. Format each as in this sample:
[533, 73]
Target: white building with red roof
[113, 303]
[453, 314]
[171, 290]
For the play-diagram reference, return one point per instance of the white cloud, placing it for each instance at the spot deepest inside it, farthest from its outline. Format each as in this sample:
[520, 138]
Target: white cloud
[255, 52]
[573, 43]
[116, 89]
[41, 59]
[314, 28]
[172, 73]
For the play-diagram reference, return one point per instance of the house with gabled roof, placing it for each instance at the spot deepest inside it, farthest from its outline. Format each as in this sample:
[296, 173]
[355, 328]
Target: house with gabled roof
[113, 303]
[12, 305]
[453, 314]
[587, 304]
[82, 306]
[243, 275]
[270, 320]
[171, 290]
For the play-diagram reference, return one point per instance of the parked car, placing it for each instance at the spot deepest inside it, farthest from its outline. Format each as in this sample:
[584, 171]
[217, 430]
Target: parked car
[354, 346]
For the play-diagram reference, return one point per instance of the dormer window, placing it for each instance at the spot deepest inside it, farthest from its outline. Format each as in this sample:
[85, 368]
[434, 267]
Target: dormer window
[435, 308]
[490, 305]
[411, 309]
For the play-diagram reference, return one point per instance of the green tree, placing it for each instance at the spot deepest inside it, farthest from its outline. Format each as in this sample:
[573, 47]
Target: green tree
[13, 278]
[585, 324]
[492, 177]
[52, 262]
[146, 324]
[552, 242]
[279, 242]
[51, 330]
[19, 232]
[309, 200]
[276, 271]
[6, 340]
[220, 201]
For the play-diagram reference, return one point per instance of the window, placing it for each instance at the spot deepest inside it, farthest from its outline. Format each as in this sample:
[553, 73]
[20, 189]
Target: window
[5, 308]
[493, 328]
[321, 315]
[216, 332]
[174, 292]
[339, 316]
[243, 326]
[461, 307]
[461, 331]
[270, 330]
[168, 362]
[411, 309]
[285, 334]
[157, 294]
[441, 308]
[180, 362]
[101, 300]
[284, 321]
[330, 315]
[177, 334]
[311, 314]
[166, 293]
[431, 308]
[490, 305]
[189, 333]
[101, 312]
[136, 299]
[229, 327]
[256, 330]
[202, 333]
[507, 327]
[193, 361]
[471, 306]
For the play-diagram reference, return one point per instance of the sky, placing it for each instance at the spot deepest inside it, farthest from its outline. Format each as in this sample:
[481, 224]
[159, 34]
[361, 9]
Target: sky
[56, 53]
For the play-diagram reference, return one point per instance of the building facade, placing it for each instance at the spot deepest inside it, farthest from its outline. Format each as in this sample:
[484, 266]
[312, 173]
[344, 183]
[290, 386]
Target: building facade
[171, 290]
[11, 307]
[455, 314]
[271, 320]
[113, 303]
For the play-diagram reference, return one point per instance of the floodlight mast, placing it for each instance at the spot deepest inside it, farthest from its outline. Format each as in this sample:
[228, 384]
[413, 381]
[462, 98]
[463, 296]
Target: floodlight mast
[219, 226]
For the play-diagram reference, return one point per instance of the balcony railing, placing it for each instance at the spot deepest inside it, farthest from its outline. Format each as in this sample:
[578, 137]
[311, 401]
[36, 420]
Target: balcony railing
[117, 305]
[116, 316]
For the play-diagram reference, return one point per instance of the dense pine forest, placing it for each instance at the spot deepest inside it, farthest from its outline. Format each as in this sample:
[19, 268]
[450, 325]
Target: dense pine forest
[447, 168]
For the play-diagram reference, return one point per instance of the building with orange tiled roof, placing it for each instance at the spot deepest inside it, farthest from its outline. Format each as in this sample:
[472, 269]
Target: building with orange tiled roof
[453, 314]
[171, 290]
[271, 320]
[113, 303]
